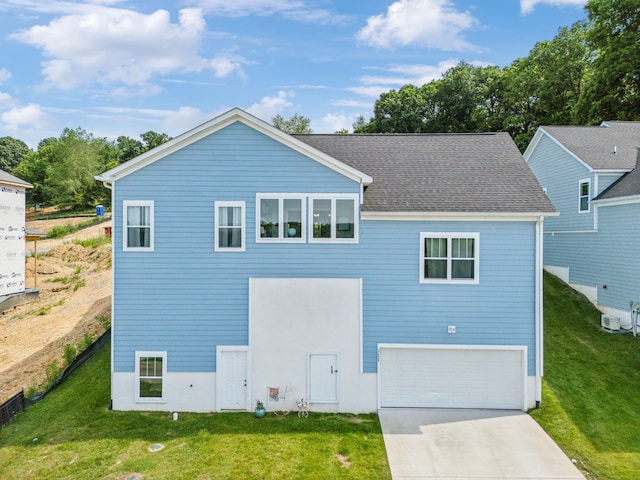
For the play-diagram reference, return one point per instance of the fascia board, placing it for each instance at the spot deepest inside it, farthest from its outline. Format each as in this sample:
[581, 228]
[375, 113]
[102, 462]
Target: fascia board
[454, 216]
[610, 202]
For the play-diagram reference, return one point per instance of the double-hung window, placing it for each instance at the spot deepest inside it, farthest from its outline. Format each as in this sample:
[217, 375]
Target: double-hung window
[229, 227]
[280, 218]
[151, 373]
[583, 195]
[138, 225]
[333, 218]
[449, 257]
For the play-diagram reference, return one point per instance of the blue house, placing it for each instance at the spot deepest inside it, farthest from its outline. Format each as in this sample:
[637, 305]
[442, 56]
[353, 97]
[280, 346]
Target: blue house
[353, 271]
[591, 176]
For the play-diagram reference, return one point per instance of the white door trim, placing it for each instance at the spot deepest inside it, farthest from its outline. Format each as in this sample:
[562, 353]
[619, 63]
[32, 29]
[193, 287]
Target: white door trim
[220, 349]
[521, 348]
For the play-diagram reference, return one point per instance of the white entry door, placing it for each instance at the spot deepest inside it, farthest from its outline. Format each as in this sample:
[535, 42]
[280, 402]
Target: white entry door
[232, 382]
[323, 377]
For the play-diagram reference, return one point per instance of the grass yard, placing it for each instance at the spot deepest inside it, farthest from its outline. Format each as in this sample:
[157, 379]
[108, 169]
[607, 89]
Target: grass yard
[591, 389]
[71, 434]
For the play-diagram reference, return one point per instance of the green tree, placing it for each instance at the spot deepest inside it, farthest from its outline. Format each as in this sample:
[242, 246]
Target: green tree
[12, 152]
[407, 110]
[153, 139]
[128, 148]
[544, 87]
[62, 169]
[296, 124]
[469, 99]
[360, 125]
[612, 86]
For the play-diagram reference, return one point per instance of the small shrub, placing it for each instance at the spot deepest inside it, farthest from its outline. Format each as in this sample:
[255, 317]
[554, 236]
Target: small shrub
[52, 372]
[60, 231]
[32, 391]
[79, 283]
[93, 242]
[105, 321]
[63, 230]
[69, 354]
[86, 342]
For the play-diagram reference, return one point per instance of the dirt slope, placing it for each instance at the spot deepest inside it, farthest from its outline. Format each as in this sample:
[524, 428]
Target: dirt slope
[75, 299]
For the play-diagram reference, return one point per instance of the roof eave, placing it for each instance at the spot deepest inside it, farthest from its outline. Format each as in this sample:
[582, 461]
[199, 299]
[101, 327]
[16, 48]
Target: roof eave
[217, 123]
[476, 216]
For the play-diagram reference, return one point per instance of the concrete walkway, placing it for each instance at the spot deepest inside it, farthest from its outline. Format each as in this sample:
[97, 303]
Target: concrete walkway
[448, 444]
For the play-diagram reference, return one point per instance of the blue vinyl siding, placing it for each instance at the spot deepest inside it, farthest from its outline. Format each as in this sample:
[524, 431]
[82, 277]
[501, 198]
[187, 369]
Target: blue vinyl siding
[606, 257]
[398, 309]
[185, 298]
[595, 258]
[605, 181]
[560, 173]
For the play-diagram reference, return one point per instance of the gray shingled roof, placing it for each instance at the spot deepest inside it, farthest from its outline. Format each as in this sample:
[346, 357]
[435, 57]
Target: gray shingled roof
[8, 178]
[596, 145]
[448, 173]
[627, 186]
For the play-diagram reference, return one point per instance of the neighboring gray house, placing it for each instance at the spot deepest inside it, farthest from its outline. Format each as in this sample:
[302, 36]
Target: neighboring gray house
[591, 176]
[355, 271]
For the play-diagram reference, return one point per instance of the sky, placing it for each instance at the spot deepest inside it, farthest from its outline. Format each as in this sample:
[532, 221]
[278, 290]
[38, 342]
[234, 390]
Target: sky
[125, 67]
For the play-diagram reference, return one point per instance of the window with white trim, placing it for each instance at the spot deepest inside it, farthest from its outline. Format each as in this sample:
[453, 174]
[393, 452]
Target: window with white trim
[229, 227]
[138, 225]
[151, 373]
[333, 218]
[584, 195]
[449, 257]
[280, 218]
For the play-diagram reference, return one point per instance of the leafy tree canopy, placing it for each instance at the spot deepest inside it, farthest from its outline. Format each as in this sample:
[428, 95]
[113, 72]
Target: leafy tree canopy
[12, 152]
[296, 124]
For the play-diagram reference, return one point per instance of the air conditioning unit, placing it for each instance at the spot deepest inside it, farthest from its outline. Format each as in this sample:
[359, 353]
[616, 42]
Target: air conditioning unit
[609, 322]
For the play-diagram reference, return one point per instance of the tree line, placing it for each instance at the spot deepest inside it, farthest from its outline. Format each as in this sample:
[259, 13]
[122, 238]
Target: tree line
[587, 73]
[62, 169]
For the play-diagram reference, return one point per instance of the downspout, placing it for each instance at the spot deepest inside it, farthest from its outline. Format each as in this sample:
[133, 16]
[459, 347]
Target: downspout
[109, 184]
[539, 311]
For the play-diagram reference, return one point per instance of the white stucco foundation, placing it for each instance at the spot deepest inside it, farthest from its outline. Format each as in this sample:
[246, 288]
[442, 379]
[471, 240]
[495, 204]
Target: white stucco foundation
[185, 392]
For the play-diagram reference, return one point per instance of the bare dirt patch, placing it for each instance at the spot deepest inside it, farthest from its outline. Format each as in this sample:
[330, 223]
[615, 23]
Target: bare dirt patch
[75, 300]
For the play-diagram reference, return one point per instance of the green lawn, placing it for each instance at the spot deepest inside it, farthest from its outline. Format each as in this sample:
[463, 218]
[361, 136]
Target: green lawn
[591, 407]
[591, 389]
[71, 434]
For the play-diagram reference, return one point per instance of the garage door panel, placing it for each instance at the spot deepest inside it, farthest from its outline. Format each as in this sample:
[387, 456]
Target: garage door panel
[444, 377]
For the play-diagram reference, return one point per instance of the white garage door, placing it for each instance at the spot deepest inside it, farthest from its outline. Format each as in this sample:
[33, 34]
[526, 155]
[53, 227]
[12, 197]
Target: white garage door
[452, 376]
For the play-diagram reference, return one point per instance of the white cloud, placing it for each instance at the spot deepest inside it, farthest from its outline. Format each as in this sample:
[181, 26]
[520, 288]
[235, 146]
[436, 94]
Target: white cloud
[4, 75]
[396, 76]
[6, 100]
[122, 47]
[184, 119]
[373, 91]
[351, 103]
[296, 10]
[269, 107]
[30, 115]
[431, 23]
[242, 8]
[337, 122]
[527, 6]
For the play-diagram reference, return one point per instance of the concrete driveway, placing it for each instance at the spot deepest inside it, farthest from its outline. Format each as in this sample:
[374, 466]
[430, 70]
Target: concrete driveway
[448, 444]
